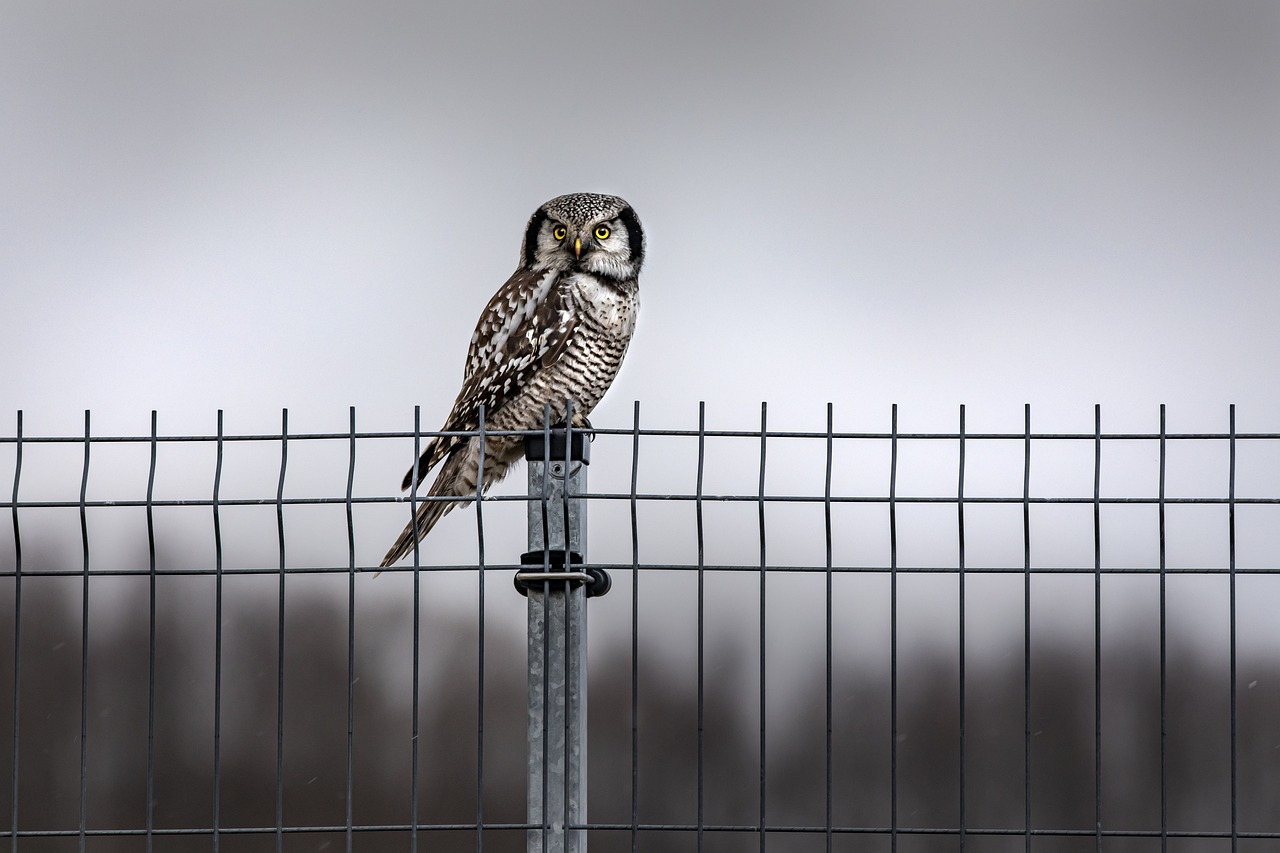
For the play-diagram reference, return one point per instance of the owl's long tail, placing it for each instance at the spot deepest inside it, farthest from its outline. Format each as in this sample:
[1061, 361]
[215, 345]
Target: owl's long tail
[452, 481]
[457, 479]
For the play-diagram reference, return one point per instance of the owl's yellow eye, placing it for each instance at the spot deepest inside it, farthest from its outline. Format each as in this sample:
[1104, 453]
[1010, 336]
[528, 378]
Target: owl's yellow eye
[602, 232]
[559, 232]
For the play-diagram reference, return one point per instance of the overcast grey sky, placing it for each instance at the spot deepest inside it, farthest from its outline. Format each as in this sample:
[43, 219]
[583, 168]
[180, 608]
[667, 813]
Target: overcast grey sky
[249, 206]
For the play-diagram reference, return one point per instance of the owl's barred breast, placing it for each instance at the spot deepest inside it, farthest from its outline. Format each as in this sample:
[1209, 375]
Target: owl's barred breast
[606, 319]
[583, 373]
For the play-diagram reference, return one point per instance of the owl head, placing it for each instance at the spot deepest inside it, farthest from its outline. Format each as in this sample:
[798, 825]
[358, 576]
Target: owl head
[585, 232]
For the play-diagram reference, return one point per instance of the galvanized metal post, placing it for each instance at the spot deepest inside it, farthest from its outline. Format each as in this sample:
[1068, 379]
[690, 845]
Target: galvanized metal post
[558, 592]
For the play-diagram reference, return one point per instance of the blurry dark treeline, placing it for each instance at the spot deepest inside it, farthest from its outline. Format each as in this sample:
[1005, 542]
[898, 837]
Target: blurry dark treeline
[1198, 769]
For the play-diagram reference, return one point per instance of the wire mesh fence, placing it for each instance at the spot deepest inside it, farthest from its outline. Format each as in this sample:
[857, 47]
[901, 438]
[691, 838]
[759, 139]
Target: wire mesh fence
[816, 640]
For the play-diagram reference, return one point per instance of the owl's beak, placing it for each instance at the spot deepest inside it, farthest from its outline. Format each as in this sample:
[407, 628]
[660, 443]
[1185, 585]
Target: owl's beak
[577, 247]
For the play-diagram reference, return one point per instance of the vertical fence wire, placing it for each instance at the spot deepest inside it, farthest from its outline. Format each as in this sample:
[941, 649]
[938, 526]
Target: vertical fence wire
[826, 530]
[764, 436]
[545, 495]
[568, 485]
[84, 644]
[1164, 658]
[702, 619]
[568, 664]
[1231, 637]
[960, 639]
[217, 642]
[480, 639]
[151, 640]
[17, 640]
[1097, 628]
[635, 631]
[349, 793]
[893, 629]
[544, 811]
[569, 630]
[280, 633]
[414, 742]
[1026, 627]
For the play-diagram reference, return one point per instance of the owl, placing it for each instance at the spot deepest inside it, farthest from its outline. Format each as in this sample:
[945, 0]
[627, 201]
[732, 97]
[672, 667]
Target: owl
[556, 332]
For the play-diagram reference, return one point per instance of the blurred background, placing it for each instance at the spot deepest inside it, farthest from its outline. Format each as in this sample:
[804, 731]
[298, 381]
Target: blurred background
[246, 207]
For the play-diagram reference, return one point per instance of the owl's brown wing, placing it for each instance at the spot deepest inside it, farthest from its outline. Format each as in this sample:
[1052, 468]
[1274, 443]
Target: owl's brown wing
[523, 329]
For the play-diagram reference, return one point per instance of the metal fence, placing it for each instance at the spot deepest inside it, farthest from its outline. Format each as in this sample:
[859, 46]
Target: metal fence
[867, 640]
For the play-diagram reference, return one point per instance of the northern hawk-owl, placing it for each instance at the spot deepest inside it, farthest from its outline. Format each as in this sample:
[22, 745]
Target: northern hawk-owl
[556, 331]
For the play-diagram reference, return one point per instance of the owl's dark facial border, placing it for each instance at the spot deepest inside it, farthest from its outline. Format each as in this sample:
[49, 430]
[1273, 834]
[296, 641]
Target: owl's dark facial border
[531, 237]
[635, 235]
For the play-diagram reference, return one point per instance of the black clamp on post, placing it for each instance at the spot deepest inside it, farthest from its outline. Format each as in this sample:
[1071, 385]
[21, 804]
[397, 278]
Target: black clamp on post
[536, 449]
[558, 512]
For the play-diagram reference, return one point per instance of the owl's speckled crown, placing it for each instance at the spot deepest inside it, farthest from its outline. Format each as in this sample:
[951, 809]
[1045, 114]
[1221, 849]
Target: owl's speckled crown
[584, 207]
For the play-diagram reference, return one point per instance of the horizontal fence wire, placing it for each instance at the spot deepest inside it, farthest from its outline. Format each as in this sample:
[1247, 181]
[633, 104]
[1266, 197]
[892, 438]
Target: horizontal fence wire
[962, 821]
